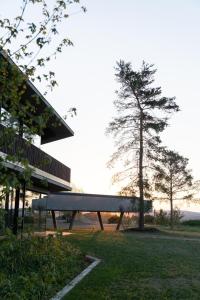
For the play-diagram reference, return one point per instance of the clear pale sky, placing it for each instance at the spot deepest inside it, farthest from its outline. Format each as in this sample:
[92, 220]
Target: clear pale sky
[163, 32]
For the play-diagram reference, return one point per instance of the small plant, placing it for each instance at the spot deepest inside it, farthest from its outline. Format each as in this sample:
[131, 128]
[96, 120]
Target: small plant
[177, 216]
[67, 216]
[149, 219]
[113, 219]
[2, 220]
[28, 219]
[163, 218]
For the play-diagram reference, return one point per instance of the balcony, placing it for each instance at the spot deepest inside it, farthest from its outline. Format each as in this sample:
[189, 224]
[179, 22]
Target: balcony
[36, 157]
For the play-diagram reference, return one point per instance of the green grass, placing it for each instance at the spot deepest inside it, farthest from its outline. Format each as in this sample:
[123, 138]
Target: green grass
[181, 231]
[195, 223]
[137, 266]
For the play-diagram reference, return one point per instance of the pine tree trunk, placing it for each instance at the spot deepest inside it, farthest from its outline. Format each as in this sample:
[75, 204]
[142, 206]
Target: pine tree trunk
[171, 206]
[171, 214]
[141, 182]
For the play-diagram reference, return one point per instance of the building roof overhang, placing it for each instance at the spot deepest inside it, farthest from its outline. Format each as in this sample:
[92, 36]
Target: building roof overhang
[56, 127]
[40, 179]
[69, 201]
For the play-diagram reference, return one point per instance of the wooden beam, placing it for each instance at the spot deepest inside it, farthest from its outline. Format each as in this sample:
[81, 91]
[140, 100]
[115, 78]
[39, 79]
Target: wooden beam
[54, 219]
[72, 219]
[100, 220]
[120, 220]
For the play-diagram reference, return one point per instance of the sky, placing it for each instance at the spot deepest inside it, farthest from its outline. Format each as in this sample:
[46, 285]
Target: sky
[165, 33]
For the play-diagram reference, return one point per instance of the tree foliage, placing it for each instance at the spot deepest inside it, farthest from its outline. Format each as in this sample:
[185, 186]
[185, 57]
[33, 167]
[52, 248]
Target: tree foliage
[142, 115]
[33, 42]
[172, 176]
[28, 43]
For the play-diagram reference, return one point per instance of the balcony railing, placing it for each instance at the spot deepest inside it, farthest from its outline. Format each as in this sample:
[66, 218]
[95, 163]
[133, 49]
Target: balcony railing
[36, 157]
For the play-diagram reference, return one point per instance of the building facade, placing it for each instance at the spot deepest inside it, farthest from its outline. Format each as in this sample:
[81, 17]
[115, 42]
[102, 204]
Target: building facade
[48, 174]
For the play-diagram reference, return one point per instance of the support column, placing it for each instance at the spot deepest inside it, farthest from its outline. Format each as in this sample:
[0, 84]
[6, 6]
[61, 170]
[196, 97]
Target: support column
[54, 219]
[7, 209]
[11, 209]
[120, 220]
[23, 205]
[100, 220]
[16, 211]
[72, 220]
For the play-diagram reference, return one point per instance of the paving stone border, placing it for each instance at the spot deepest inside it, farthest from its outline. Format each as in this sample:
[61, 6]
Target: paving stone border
[94, 262]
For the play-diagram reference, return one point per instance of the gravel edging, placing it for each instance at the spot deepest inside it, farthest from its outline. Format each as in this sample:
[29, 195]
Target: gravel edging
[95, 261]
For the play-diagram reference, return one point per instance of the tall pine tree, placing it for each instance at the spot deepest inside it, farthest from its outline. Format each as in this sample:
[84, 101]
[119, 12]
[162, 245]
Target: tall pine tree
[142, 115]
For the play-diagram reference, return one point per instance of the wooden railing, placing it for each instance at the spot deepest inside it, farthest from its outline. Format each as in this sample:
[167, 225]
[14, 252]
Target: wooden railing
[35, 156]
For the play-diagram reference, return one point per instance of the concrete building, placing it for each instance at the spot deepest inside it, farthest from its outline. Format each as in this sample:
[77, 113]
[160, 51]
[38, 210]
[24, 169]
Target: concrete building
[49, 175]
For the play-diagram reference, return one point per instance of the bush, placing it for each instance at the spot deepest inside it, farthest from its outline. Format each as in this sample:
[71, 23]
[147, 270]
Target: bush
[28, 219]
[36, 268]
[2, 220]
[113, 219]
[67, 216]
[163, 218]
[177, 216]
[148, 219]
[191, 223]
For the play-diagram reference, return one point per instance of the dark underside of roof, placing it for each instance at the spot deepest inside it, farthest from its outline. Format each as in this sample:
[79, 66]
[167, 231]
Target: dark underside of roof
[56, 128]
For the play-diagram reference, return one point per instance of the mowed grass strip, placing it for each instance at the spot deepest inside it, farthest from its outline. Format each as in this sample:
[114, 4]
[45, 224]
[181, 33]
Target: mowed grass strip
[135, 267]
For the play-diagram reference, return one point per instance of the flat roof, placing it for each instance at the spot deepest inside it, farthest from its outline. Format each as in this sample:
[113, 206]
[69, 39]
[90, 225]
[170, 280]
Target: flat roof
[56, 128]
[68, 201]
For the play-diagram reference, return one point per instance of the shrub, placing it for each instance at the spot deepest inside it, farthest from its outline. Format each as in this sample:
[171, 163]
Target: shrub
[67, 216]
[29, 219]
[2, 220]
[36, 268]
[177, 216]
[163, 218]
[149, 219]
[113, 219]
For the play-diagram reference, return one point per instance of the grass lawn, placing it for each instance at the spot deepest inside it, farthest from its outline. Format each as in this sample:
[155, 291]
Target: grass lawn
[136, 266]
[181, 231]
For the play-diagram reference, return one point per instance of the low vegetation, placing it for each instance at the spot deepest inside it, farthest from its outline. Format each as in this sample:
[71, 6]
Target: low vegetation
[36, 268]
[139, 266]
[113, 219]
[192, 223]
[162, 217]
[2, 221]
